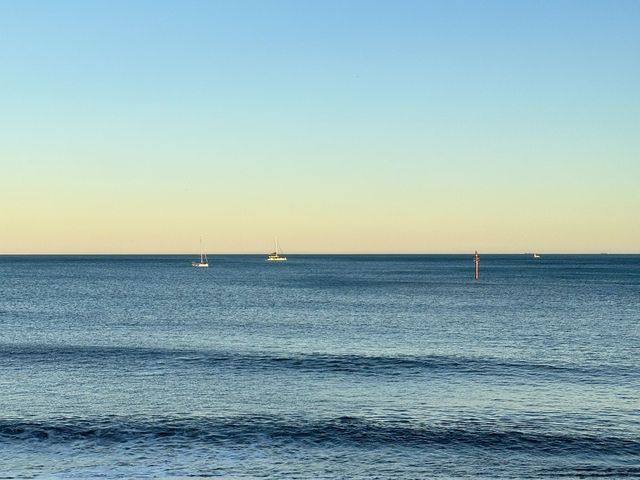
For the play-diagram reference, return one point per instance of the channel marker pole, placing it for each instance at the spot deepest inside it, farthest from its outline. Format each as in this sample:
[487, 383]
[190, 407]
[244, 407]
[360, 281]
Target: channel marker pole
[476, 260]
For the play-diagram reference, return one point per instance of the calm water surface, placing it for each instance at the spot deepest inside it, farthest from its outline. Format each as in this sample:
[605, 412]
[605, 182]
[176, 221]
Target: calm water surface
[327, 367]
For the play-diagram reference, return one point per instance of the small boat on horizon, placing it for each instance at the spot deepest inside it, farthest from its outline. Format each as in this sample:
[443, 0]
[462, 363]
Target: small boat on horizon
[274, 257]
[204, 262]
[535, 255]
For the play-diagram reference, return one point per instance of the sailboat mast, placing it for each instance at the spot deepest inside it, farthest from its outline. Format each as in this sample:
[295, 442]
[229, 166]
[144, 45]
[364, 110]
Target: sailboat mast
[200, 249]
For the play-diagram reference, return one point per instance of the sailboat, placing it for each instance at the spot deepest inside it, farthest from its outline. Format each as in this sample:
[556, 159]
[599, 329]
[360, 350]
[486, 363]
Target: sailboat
[535, 255]
[274, 257]
[203, 258]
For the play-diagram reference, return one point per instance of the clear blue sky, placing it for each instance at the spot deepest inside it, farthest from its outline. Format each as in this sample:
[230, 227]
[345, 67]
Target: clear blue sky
[410, 126]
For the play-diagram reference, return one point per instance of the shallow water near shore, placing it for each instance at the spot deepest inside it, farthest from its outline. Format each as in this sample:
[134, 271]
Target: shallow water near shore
[343, 366]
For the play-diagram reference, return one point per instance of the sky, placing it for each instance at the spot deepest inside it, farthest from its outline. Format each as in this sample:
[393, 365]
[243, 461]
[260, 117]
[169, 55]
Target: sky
[337, 126]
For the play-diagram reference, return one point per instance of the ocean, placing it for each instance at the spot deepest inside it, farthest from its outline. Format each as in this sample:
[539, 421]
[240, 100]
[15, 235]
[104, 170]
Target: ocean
[321, 367]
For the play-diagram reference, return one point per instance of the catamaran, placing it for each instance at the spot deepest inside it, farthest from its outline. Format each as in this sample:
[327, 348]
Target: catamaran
[204, 262]
[274, 257]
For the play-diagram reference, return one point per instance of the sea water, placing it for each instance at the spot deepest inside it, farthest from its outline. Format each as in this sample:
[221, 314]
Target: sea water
[398, 366]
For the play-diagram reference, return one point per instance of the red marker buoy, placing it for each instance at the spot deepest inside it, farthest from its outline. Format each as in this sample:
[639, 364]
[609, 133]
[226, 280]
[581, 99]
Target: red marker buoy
[476, 260]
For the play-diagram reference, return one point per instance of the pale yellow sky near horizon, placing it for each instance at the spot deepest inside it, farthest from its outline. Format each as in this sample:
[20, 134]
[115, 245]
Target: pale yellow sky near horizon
[405, 213]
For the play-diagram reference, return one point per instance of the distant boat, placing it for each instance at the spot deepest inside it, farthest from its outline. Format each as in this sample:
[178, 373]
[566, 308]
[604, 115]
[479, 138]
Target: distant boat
[274, 257]
[204, 262]
[535, 255]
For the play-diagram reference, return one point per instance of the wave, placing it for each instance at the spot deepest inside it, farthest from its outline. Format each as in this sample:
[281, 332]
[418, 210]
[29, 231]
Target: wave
[592, 471]
[368, 365]
[359, 432]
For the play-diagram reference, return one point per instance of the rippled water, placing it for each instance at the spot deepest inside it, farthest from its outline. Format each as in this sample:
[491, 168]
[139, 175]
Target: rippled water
[321, 367]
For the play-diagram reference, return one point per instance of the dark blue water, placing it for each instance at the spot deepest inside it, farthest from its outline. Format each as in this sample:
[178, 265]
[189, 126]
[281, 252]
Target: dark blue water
[321, 367]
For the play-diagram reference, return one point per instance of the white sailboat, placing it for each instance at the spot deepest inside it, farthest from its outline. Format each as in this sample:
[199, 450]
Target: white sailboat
[204, 262]
[274, 257]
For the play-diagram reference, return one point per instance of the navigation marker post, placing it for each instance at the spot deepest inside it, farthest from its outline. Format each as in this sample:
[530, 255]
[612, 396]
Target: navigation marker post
[476, 260]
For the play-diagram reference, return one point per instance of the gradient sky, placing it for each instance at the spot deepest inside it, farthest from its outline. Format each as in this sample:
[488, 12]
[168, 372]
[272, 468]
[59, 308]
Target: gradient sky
[346, 126]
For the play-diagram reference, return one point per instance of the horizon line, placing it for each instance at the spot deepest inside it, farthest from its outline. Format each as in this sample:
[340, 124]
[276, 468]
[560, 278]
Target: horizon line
[309, 253]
